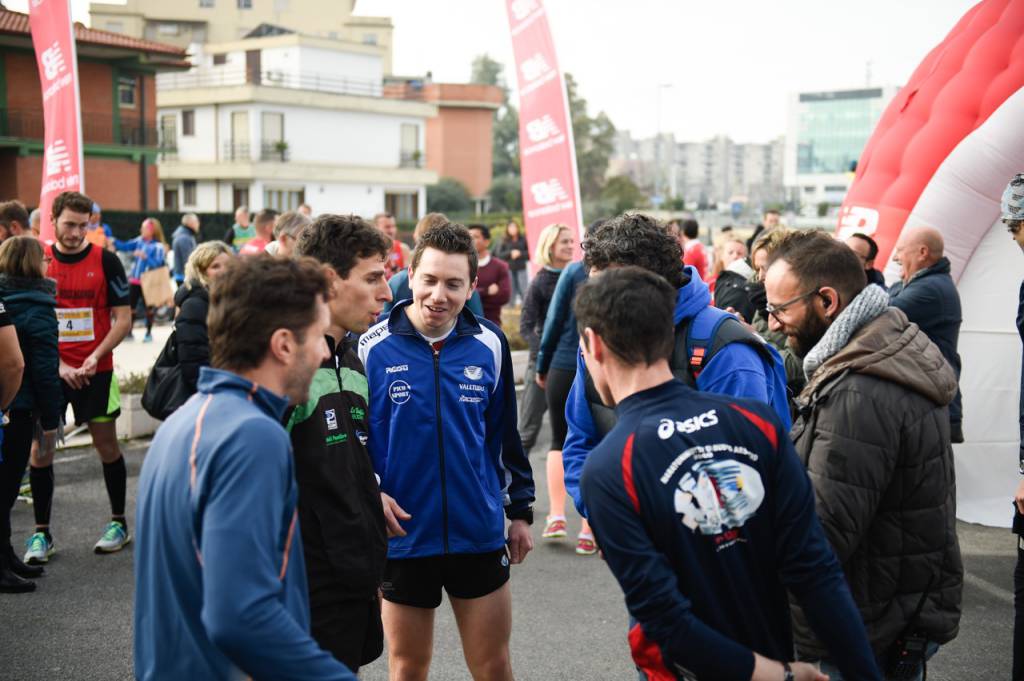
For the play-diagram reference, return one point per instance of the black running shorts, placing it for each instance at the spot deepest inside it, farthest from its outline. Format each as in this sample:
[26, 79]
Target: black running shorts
[99, 401]
[418, 581]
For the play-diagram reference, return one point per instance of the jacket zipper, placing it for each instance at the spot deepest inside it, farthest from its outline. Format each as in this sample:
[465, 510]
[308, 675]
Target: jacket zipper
[440, 445]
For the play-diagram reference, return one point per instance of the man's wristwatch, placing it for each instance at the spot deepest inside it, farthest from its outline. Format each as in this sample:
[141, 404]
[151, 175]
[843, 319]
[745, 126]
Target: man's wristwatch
[525, 514]
[787, 672]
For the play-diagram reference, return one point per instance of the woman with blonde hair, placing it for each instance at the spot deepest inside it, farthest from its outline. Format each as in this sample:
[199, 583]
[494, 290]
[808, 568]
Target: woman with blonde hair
[192, 299]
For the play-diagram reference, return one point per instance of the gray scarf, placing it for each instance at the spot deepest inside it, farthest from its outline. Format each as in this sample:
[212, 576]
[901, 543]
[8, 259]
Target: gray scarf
[868, 304]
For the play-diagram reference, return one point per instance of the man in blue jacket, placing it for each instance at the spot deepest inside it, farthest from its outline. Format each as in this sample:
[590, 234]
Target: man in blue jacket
[183, 242]
[220, 580]
[745, 366]
[927, 295]
[444, 443]
[703, 509]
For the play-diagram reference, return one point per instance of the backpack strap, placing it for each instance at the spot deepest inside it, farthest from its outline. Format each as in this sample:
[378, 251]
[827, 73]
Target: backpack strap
[708, 332]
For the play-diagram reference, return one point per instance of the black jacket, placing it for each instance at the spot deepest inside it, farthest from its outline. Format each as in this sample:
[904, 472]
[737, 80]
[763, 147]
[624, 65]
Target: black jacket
[343, 532]
[535, 307]
[931, 301]
[732, 289]
[504, 252]
[190, 330]
[30, 304]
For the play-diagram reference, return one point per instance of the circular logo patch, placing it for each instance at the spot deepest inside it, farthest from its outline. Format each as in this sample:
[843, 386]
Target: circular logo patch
[400, 392]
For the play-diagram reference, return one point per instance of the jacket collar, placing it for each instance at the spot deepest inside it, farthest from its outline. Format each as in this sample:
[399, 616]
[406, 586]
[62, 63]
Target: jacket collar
[214, 381]
[399, 323]
[942, 266]
[13, 285]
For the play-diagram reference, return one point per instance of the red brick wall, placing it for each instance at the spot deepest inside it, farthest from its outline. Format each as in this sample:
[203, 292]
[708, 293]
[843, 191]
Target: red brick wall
[111, 182]
[96, 90]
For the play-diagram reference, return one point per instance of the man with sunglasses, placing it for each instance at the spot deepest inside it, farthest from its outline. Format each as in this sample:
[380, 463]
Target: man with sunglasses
[873, 433]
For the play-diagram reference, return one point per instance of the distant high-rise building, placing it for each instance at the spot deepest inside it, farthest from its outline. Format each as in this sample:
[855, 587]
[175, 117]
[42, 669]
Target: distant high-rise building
[224, 21]
[825, 135]
[716, 171]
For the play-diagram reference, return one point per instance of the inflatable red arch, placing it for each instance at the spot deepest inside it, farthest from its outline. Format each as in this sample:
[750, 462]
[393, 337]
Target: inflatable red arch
[941, 155]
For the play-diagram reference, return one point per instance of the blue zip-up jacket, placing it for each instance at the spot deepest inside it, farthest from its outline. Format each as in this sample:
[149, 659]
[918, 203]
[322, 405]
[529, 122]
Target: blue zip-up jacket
[400, 290]
[737, 370]
[706, 517]
[559, 342]
[153, 255]
[220, 581]
[443, 434]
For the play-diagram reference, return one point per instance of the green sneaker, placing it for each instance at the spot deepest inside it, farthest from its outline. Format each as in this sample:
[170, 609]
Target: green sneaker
[115, 537]
[39, 549]
[25, 491]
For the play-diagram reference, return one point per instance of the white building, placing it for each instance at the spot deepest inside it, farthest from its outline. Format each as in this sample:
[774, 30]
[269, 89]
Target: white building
[272, 122]
[825, 135]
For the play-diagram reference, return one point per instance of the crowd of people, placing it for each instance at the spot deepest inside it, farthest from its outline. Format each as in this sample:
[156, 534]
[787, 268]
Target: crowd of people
[757, 436]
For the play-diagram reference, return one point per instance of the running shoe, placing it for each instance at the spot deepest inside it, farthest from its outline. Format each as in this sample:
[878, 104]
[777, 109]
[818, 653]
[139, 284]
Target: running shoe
[555, 529]
[115, 537]
[39, 549]
[148, 338]
[585, 546]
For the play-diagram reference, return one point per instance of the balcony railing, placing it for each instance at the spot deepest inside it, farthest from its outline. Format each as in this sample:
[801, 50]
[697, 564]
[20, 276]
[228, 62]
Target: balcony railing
[411, 159]
[276, 150]
[227, 76]
[236, 151]
[96, 129]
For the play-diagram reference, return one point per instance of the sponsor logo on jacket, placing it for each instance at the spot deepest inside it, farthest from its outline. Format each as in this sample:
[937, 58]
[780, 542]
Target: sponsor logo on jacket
[473, 373]
[667, 427]
[400, 392]
[396, 368]
[332, 419]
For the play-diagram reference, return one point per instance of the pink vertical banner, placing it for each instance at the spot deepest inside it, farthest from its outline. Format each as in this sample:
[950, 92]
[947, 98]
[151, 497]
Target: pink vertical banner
[54, 40]
[546, 151]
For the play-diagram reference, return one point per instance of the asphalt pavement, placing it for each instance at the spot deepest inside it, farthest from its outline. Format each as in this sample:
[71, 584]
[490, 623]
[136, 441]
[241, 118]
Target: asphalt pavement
[569, 621]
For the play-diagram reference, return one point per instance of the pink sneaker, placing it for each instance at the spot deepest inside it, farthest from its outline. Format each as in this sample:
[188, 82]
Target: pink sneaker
[555, 529]
[586, 546]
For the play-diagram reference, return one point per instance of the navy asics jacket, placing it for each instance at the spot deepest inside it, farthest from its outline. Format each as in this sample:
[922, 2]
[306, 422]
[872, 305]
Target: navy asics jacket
[443, 434]
[706, 517]
[737, 370]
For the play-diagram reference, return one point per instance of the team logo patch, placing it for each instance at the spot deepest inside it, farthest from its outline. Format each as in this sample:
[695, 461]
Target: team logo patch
[504, 560]
[363, 437]
[399, 392]
[715, 497]
[332, 419]
[357, 413]
[473, 373]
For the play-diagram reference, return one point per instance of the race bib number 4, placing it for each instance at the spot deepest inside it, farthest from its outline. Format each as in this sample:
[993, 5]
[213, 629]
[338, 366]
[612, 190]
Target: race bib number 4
[75, 324]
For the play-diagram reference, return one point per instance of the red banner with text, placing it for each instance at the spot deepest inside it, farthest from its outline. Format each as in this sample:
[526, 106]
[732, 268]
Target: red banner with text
[54, 40]
[546, 151]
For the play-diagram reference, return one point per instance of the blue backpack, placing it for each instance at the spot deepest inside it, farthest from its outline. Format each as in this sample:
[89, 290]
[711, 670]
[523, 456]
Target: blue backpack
[698, 339]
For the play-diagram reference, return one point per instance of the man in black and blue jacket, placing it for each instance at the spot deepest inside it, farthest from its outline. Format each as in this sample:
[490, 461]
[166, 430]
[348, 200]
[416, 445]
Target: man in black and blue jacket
[340, 505]
[444, 443]
[702, 508]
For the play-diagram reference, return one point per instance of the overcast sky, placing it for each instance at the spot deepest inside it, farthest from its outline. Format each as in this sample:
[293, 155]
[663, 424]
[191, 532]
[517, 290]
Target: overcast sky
[730, 65]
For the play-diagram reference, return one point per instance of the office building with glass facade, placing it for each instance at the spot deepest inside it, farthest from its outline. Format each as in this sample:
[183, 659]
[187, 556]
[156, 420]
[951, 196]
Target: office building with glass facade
[825, 135]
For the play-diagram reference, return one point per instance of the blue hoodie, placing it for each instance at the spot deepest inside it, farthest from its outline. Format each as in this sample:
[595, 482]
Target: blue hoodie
[220, 581]
[737, 370]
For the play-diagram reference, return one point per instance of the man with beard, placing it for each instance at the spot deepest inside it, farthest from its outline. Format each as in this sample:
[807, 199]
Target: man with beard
[873, 432]
[340, 504]
[220, 580]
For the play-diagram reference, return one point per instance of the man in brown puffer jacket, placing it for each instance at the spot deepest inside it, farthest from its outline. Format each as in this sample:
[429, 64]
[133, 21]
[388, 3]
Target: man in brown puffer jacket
[873, 432]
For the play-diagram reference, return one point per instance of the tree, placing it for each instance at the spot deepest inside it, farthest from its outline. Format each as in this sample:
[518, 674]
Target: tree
[620, 193]
[448, 196]
[594, 138]
[506, 194]
[487, 71]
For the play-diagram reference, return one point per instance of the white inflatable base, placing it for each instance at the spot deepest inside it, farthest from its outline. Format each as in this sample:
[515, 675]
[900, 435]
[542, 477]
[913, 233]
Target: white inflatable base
[990, 350]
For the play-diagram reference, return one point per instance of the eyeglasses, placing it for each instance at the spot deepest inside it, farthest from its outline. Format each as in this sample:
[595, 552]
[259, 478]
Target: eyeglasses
[776, 310]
